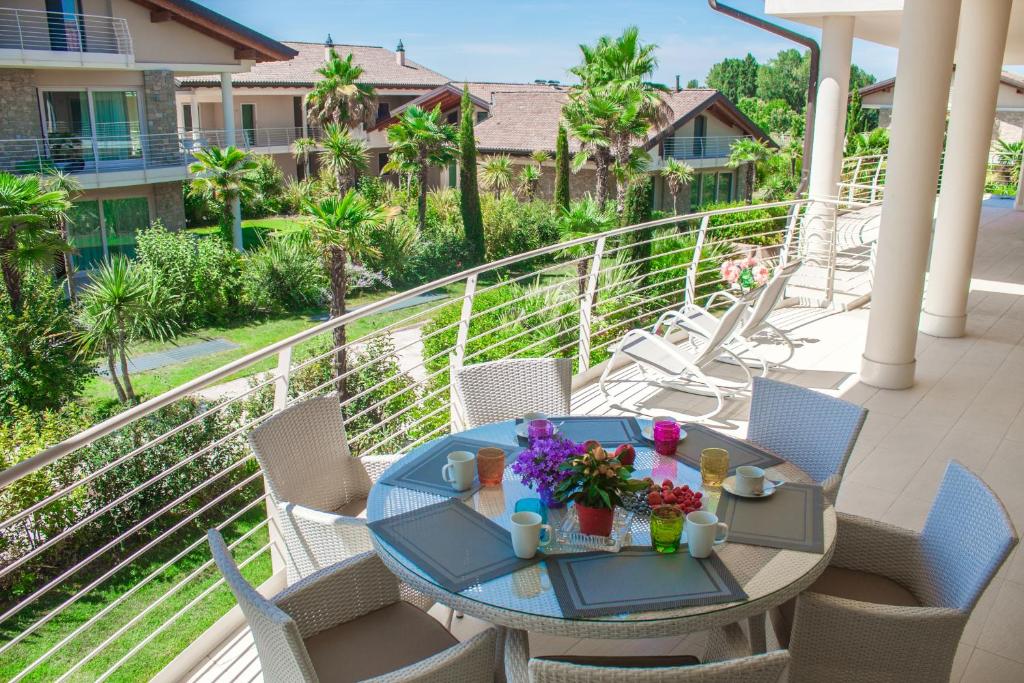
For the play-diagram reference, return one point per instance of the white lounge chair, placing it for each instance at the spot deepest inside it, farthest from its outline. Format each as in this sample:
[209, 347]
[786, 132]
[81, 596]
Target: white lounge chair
[762, 302]
[683, 368]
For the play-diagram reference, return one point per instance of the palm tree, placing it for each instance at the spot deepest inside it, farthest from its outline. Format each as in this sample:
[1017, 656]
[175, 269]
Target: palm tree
[584, 119]
[303, 150]
[225, 174]
[60, 181]
[677, 174]
[751, 152]
[529, 178]
[420, 140]
[496, 174]
[338, 98]
[1010, 154]
[340, 229]
[28, 212]
[580, 219]
[344, 156]
[872, 143]
[121, 305]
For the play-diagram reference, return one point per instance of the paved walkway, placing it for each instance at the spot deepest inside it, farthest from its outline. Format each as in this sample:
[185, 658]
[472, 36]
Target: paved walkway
[178, 354]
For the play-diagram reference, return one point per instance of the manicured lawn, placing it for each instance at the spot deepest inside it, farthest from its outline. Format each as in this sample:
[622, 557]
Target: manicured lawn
[250, 337]
[254, 229]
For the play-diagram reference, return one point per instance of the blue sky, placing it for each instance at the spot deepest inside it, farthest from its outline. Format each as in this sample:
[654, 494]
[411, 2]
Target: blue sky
[521, 40]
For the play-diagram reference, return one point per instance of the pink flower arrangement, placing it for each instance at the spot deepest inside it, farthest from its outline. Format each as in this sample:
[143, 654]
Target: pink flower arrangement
[745, 272]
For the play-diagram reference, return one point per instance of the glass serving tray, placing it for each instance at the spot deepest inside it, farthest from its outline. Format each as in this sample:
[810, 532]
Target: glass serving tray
[570, 539]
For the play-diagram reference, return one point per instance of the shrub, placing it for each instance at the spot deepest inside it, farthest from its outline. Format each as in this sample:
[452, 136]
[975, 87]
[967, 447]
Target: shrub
[39, 367]
[746, 226]
[513, 227]
[285, 274]
[201, 273]
[200, 209]
[267, 189]
[398, 246]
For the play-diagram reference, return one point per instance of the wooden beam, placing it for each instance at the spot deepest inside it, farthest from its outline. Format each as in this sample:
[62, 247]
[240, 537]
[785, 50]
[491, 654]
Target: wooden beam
[246, 53]
[160, 16]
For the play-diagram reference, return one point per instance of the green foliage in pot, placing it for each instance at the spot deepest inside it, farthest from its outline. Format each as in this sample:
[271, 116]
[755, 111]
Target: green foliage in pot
[596, 479]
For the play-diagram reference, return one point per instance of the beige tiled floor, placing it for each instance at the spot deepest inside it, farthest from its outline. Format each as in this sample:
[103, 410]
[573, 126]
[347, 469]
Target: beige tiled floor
[967, 405]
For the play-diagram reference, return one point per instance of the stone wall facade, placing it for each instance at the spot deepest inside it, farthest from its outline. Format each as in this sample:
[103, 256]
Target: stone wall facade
[1008, 126]
[158, 87]
[19, 113]
[169, 205]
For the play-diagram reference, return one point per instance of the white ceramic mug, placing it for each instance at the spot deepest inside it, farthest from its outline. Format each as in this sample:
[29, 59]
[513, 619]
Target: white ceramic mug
[460, 470]
[530, 417]
[528, 534]
[702, 530]
[749, 480]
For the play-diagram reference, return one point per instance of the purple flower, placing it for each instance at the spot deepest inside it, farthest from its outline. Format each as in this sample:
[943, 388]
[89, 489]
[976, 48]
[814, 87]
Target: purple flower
[539, 465]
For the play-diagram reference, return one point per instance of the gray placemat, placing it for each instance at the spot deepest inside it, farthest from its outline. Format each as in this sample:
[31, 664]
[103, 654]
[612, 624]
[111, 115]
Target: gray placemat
[608, 431]
[791, 518]
[638, 579]
[456, 545]
[423, 471]
[699, 437]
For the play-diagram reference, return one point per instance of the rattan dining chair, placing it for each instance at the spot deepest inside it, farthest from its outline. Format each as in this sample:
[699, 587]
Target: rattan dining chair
[318, 489]
[813, 431]
[506, 389]
[348, 623]
[893, 603]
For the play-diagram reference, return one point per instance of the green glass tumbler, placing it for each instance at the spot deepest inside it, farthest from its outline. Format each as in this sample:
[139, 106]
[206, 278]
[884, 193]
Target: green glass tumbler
[666, 528]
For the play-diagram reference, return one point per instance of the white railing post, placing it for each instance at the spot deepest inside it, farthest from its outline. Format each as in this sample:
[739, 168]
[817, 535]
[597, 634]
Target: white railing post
[283, 377]
[457, 415]
[856, 178]
[691, 274]
[787, 241]
[21, 34]
[874, 180]
[587, 306]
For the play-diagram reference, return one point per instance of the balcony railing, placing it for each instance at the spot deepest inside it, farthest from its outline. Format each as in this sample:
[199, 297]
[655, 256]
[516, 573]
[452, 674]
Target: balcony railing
[717, 147]
[116, 147]
[25, 29]
[128, 499]
[252, 138]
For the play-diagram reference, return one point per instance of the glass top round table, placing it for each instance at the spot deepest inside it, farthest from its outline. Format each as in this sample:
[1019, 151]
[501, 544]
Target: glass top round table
[525, 599]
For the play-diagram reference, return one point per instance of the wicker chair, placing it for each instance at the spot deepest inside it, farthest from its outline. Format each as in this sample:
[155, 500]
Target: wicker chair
[813, 431]
[317, 487]
[347, 623]
[893, 604]
[506, 389]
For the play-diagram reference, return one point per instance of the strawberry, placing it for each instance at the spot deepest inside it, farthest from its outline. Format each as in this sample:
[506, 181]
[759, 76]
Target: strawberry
[626, 454]
[654, 499]
[667, 484]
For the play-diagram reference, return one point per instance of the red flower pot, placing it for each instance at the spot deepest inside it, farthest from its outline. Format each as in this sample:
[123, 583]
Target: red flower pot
[595, 521]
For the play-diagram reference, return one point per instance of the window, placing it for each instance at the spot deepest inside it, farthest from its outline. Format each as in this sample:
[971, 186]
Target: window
[186, 117]
[453, 174]
[699, 190]
[249, 123]
[724, 187]
[453, 117]
[382, 161]
[383, 111]
[66, 34]
[92, 127]
[100, 229]
[481, 116]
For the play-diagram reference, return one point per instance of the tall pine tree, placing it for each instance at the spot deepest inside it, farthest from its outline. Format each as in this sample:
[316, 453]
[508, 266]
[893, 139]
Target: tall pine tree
[562, 198]
[469, 201]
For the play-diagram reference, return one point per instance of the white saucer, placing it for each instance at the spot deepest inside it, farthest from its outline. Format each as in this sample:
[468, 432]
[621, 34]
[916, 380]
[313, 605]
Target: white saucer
[769, 488]
[523, 430]
[647, 430]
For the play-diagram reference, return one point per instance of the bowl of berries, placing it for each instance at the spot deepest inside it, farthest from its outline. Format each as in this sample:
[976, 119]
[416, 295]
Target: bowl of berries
[666, 493]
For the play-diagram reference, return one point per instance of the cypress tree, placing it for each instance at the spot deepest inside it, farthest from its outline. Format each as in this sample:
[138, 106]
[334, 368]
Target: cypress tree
[639, 203]
[562, 197]
[469, 196]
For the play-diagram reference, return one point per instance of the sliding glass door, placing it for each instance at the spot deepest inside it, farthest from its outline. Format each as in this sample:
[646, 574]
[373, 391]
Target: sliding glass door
[100, 229]
[90, 128]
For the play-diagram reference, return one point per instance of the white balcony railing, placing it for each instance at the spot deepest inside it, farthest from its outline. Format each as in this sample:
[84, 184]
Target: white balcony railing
[128, 499]
[24, 29]
[252, 138]
[114, 147]
[716, 147]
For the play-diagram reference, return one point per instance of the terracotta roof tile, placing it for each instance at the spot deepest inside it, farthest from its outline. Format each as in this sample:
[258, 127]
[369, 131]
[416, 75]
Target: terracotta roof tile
[379, 65]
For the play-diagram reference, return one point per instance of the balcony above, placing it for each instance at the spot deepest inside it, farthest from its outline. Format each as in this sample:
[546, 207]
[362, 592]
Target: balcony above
[113, 158]
[700, 152]
[263, 140]
[63, 39]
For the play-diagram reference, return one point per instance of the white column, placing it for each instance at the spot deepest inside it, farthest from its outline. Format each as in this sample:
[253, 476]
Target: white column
[197, 125]
[982, 39]
[927, 40]
[829, 135]
[228, 105]
[830, 106]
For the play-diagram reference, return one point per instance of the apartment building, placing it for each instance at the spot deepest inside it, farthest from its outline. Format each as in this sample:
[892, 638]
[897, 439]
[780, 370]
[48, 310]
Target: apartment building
[269, 110]
[518, 119]
[88, 88]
